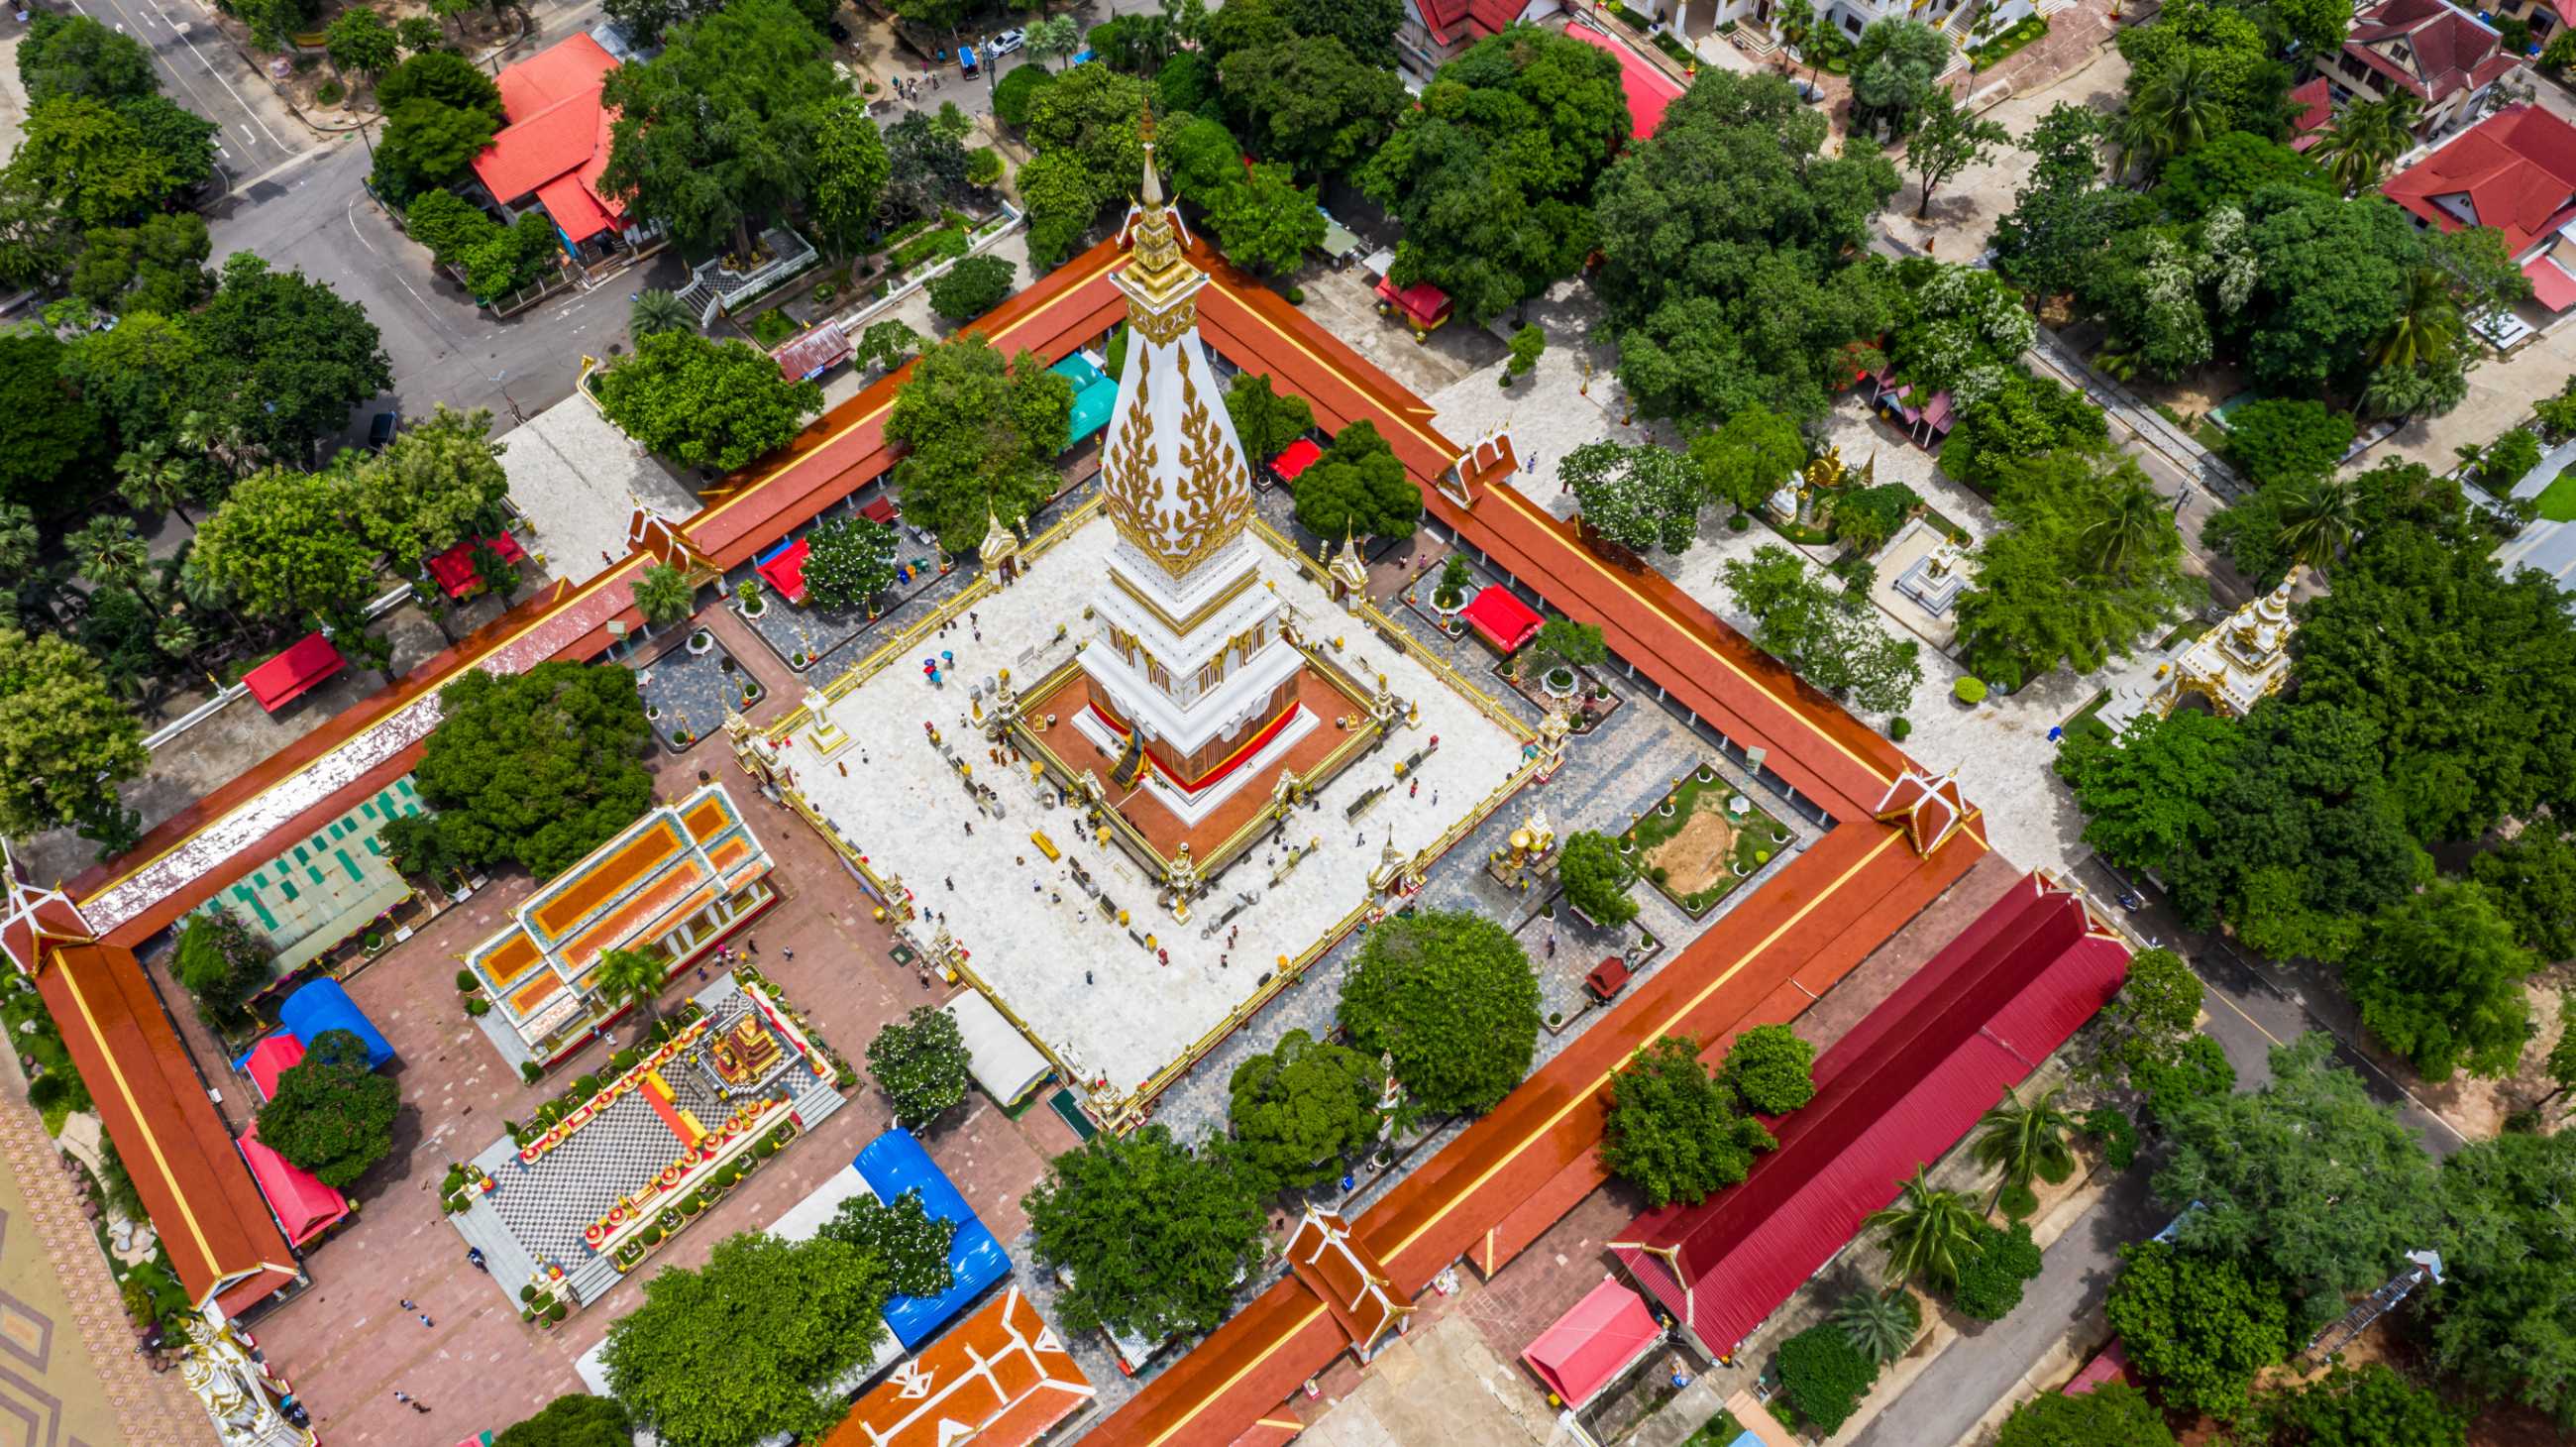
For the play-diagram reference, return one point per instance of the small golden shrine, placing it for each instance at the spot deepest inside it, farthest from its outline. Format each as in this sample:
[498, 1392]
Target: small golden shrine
[744, 1053]
[2242, 661]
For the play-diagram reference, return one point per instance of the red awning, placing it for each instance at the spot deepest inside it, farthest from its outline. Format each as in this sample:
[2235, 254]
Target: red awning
[1504, 621]
[2110, 1365]
[305, 1207]
[785, 570]
[1426, 305]
[880, 509]
[1301, 454]
[291, 674]
[454, 569]
[1591, 1345]
[2550, 286]
[271, 1058]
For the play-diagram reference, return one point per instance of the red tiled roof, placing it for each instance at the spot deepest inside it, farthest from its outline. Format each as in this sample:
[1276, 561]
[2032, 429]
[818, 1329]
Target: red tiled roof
[2550, 284]
[2449, 51]
[1425, 303]
[1000, 1378]
[2314, 103]
[454, 569]
[1892, 1094]
[1649, 89]
[556, 144]
[1588, 1347]
[2516, 170]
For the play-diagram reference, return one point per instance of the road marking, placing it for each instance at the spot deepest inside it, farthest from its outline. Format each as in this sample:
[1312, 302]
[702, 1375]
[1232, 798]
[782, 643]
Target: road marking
[2248, 1019]
[298, 159]
[351, 214]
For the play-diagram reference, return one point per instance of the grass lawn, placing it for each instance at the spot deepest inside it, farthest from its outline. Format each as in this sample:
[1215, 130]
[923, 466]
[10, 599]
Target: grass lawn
[1753, 845]
[2558, 500]
[1717, 1431]
[2089, 721]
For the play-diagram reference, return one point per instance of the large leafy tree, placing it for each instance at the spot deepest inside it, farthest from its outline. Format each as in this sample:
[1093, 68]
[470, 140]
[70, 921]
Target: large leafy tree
[1743, 462]
[2228, 171]
[331, 1114]
[848, 561]
[902, 1234]
[428, 144]
[1301, 1110]
[1453, 999]
[2149, 796]
[359, 41]
[2504, 1317]
[1948, 139]
[2090, 561]
[2361, 1408]
[1641, 497]
[286, 357]
[92, 159]
[1089, 154]
[2438, 976]
[1265, 420]
[1492, 174]
[1358, 487]
[705, 403]
[2198, 1326]
[1264, 222]
[2243, 85]
[576, 1419]
[65, 742]
[77, 56]
[1595, 877]
[158, 266]
[2307, 1177]
[716, 136]
[283, 545]
[1734, 254]
[1309, 102]
[2531, 880]
[2287, 440]
[922, 1065]
[438, 484]
[2112, 1413]
[1827, 635]
[974, 286]
[220, 962]
[2063, 216]
[55, 451]
[1894, 69]
[850, 173]
[1153, 1238]
[1673, 1130]
[984, 435]
[747, 1345]
[539, 768]
[1771, 1069]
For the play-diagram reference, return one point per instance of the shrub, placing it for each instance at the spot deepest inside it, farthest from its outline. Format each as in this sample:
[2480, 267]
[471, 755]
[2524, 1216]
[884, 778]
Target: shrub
[466, 983]
[452, 1182]
[1018, 90]
[1771, 1069]
[2018, 1201]
[527, 1293]
[1596, 878]
[983, 166]
[476, 1006]
[2119, 1137]
[531, 1072]
[1969, 689]
[1296, 296]
[557, 1312]
[1990, 1284]
[1738, 522]
[330, 93]
[1899, 727]
[1824, 1376]
[972, 287]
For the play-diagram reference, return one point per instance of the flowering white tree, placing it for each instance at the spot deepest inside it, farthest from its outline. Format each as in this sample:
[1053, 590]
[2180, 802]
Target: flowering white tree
[1641, 498]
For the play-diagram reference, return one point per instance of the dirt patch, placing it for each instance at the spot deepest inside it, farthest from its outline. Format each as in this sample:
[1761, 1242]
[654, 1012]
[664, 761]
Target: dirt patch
[1696, 857]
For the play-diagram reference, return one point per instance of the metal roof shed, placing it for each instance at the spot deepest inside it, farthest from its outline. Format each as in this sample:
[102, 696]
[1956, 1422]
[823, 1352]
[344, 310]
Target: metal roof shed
[1004, 1062]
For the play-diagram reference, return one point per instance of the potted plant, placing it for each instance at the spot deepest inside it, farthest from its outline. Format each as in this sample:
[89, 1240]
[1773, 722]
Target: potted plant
[1450, 594]
[747, 593]
[1563, 646]
[699, 642]
[372, 943]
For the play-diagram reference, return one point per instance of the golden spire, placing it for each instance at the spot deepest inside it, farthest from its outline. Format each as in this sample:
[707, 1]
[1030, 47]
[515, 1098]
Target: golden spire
[1157, 281]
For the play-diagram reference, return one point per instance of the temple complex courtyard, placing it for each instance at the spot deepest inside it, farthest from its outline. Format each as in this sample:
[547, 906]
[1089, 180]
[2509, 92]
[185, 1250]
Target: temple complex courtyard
[1117, 1009]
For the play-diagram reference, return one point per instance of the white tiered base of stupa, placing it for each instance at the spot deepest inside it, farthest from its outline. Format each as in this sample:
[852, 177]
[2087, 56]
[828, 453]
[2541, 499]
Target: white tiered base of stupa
[1192, 806]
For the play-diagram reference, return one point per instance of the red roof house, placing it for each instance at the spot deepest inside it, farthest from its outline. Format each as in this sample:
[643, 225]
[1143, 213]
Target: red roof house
[1500, 618]
[556, 143]
[1649, 90]
[271, 1058]
[1445, 18]
[1594, 1344]
[2313, 104]
[2514, 171]
[1893, 1094]
[2439, 54]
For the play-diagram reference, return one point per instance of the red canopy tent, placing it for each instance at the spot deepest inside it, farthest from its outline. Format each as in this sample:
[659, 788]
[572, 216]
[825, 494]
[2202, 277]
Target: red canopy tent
[785, 570]
[269, 1059]
[1424, 306]
[293, 673]
[454, 569]
[1300, 455]
[1591, 1346]
[305, 1207]
[1501, 619]
[880, 509]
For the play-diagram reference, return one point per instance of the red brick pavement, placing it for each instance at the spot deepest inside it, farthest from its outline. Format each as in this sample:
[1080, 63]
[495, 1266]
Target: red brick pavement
[348, 1345]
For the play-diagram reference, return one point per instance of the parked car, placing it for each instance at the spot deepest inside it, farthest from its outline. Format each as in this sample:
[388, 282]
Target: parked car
[966, 62]
[1009, 40]
[380, 433]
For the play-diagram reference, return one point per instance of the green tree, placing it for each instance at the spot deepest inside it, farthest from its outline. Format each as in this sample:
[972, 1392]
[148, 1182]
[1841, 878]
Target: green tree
[2307, 1177]
[1527, 344]
[538, 768]
[2090, 561]
[1308, 103]
[157, 266]
[2151, 1021]
[92, 160]
[1055, 38]
[1561, 643]
[2237, 85]
[1200, 158]
[2365, 138]
[663, 594]
[576, 1419]
[1827, 636]
[419, 34]
[1993, 1274]
[984, 436]
[974, 286]
[718, 133]
[2314, 524]
[1089, 154]
[55, 454]
[438, 484]
[2024, 1139]
[2113, 1414]
[1453, 1000]
[1641, 497]
[848, 561]
[1771, 1068]
[1930, 1233]
[630, 980]
[2360, 1408]
[38, 243]
[1880, 1325]
[2287, 440]
[1596, 878]
[1301, 1110]
[65, 742]
[427, 144]
[2504, 1317]
[1153, 1238]
[2063, 216]
[1824, 1377]
[76, 56]
[850, 173]
[285, 358]
[726, 1354]
[1265, 421]
[901, 1234]
[1357, 487]
[2438, 977]
[886, 345]
[220, 962]
[359, 40]
[921, 1063]
[1672, 1130]
[1947, 140]
[331, 1114]
[656, 311]
[282, 545]
[1743, 462]
[704, 403]
[1264, 222]
[2200, 1327]
[928, 166]
[442, 76]
[1016, 92]
[2176, 110]
[2531, 881]
[1893, 67]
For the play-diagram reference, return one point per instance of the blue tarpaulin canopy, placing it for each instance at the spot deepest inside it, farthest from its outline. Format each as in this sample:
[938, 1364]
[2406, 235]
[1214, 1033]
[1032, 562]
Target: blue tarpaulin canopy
[1093, 393]
[323, 1005]
[894, 1163]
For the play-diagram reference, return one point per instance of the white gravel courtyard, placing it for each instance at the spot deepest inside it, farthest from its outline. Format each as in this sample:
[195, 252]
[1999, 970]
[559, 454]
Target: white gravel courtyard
[1101, 1000]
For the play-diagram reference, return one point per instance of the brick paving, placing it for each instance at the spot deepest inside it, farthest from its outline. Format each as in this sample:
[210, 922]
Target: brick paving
[687, 695]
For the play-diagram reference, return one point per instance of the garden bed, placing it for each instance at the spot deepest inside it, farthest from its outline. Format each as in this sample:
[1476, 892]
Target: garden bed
[688, 693]
[1996, 51]
[1698, 853]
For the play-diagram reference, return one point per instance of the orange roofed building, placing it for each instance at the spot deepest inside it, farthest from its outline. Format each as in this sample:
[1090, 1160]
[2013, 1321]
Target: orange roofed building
[555, 146]
[678, 881]
[1001, 1379]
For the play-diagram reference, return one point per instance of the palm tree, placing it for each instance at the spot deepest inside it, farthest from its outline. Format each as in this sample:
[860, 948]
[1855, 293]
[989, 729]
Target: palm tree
[1928, 1233]
[106, 551]
[2428, 324]
[2128, 531]
[629, 977]
[2179, 109]
[657, 311]
[663, 594]
[1053, 39]
[2023, 1141]
[1879, 1324]
[2317, 520]
[2365, 138]
[1793, 22]
[152, 480]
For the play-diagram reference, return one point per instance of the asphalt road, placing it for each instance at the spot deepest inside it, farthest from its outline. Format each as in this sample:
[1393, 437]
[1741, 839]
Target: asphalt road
[201, 70]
